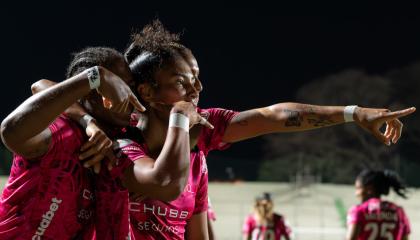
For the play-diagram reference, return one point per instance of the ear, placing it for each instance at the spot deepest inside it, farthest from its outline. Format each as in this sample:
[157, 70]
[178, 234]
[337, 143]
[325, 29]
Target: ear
[145, 91]
[370, 191]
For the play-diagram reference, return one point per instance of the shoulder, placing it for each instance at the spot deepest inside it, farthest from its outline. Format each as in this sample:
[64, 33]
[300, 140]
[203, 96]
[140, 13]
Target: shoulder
[250, 218]
[278, 217]
[60, 134]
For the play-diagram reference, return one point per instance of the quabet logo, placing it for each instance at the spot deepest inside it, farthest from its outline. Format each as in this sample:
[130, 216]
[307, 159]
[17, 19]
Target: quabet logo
[46, 219]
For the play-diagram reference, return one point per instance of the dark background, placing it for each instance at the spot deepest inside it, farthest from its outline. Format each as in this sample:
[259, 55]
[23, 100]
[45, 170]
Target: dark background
[249, 56]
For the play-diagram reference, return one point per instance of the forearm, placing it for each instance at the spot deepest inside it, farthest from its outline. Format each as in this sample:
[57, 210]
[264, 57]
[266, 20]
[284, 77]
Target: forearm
[285, 117]
[38, 111]
[74, 112]
[173, 163]
[166, 178]
[197, 227]
[281, 117]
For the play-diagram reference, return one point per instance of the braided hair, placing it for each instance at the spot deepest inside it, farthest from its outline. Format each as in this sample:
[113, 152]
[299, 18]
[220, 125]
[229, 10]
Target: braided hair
[381, 181]
[90, 57]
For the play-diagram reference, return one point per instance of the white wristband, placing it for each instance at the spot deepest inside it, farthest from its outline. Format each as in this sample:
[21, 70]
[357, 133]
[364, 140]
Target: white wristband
[348, 113]
[94, 77]
[180, 121]
[84, 121]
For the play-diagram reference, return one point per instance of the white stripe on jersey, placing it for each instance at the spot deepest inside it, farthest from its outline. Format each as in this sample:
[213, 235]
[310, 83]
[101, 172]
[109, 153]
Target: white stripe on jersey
[120, 143]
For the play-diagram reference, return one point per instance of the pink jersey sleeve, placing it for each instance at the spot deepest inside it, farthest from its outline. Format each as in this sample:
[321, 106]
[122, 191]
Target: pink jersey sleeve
[405, 224]
[126, 151]
[62, 130]
[353, 216]
[248, 225]
[211, 139]
[284, 229]
[201, 198]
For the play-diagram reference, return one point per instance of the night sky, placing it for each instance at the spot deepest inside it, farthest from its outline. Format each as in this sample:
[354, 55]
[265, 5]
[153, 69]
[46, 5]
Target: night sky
[249, 56]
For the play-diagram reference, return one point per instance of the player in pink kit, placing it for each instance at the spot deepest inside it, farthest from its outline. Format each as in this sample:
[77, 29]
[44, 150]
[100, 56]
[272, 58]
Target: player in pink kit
[49, 194]
[165, 72]
[264, 224]
[375, 218]
[164, 179]
[154, 219]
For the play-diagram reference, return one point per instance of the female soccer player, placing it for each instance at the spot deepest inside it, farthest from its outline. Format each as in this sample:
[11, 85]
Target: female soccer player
[163, 180]
[375, 218]
[49, 194]
[165, 72]
[264, 224]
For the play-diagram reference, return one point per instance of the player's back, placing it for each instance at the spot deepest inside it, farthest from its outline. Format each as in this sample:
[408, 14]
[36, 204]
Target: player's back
[379, 220]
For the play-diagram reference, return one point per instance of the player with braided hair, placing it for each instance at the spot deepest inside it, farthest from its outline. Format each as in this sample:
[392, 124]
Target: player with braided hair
[49, 194]
[375, 218]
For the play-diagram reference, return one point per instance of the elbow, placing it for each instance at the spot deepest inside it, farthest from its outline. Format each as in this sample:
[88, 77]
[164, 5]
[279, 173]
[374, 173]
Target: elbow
[172, 188]
[177, 190]
[6, 132]
[172, 191]
[36, 87]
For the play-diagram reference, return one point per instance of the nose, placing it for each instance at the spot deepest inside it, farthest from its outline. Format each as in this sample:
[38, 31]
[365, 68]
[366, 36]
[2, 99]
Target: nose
[194, 88]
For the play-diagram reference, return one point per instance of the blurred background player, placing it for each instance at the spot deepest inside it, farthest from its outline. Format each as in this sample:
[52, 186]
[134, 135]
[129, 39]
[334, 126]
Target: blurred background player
[264, 224]
[375, 218]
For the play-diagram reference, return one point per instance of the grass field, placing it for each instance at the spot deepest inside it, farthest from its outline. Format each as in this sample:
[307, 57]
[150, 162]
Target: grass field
[314, 213]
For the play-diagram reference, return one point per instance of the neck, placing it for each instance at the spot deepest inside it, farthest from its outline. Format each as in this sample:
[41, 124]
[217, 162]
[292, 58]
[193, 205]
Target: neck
[370, 197]
[155, 131]
[156, 128]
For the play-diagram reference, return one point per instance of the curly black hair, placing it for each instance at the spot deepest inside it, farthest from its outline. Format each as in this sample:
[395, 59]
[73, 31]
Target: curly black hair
[382, 181]
[152, 49]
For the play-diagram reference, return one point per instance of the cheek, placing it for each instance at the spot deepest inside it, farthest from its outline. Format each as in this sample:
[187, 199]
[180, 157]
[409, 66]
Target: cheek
[171, 95]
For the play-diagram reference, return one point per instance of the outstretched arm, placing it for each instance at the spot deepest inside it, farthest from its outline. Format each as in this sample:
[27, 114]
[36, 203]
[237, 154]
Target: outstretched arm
[291, 117]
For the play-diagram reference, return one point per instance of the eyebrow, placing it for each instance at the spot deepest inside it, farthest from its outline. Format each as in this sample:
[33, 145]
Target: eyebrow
[183, 75]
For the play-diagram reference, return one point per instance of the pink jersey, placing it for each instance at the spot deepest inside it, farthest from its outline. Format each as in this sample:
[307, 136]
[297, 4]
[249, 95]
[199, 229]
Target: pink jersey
[112, 216]
[379, 220]
[50, 197]
[272, 231]
[153, 219]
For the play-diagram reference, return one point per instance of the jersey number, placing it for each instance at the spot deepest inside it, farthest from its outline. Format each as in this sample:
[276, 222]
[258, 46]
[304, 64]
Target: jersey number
[385, 230]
